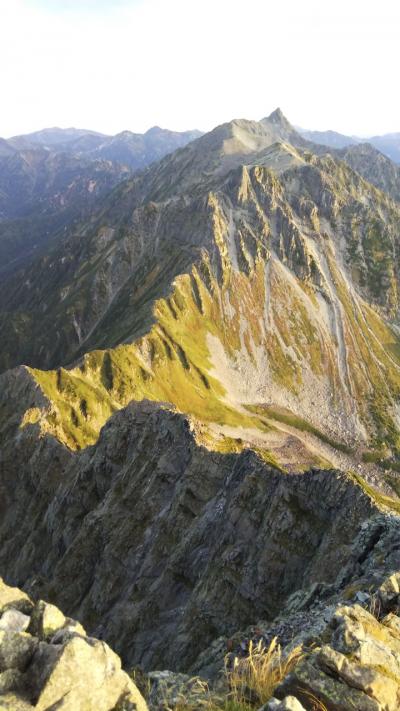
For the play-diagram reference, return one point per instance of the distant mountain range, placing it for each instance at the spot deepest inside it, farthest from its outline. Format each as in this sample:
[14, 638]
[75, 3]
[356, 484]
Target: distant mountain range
[41, 172]
[51, 178]
[134, 150]
[389, 144]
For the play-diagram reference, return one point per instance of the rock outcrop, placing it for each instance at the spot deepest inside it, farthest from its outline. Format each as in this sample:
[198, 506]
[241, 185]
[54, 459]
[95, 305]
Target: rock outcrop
[349, 661]
[353, 664]
[48, 662]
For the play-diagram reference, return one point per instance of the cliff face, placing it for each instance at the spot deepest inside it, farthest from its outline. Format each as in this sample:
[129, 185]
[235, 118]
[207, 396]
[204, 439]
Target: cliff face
[161, 546]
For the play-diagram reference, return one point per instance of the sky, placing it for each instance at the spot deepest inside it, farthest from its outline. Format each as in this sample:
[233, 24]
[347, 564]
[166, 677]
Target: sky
[111, 65]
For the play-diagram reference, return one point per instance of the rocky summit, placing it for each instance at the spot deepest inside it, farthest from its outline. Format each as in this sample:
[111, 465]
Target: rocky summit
[199, 421]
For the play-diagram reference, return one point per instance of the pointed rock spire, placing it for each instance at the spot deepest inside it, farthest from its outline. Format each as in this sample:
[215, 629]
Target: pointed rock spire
[279, 119]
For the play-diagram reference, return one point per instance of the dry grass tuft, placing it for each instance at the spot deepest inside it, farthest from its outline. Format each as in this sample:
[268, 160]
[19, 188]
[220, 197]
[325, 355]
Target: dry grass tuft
[375, 606]
[251, 681]
[254, 678]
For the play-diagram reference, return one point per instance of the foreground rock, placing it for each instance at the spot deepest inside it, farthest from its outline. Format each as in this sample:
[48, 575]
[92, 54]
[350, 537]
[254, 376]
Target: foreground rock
[351, 662]
[350, 654]
[54, 665]
[355, 664]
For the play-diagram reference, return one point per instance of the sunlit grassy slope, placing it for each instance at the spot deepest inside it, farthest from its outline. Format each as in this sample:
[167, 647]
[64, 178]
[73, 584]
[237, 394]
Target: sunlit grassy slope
[270, 314]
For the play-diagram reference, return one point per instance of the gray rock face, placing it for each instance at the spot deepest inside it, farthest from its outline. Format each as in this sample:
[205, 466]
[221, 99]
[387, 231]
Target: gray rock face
[161, 546]
[76, 673]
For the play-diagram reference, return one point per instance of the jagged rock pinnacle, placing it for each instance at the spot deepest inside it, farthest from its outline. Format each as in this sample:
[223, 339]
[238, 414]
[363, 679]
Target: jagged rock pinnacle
[277, 117]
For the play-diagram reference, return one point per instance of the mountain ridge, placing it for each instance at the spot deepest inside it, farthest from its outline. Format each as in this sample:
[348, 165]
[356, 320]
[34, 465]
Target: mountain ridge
[46, 188]
[135, 150]
[173, 256]
[388, 144]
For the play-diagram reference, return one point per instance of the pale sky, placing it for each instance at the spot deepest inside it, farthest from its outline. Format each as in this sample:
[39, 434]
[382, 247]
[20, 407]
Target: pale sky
[111, 65]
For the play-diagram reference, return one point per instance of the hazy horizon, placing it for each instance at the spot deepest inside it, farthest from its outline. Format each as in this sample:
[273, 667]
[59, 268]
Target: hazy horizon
[132, 64]
[193, 128]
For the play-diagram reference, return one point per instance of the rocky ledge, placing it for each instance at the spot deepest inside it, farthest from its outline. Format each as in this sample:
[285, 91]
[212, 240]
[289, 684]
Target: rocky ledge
[349, 661]
[47, 662]
[355, 664]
